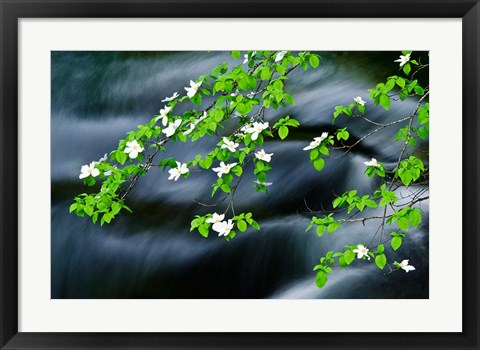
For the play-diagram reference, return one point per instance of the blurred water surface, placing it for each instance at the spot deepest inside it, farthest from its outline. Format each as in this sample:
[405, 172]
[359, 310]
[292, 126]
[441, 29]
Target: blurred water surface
[98, 96]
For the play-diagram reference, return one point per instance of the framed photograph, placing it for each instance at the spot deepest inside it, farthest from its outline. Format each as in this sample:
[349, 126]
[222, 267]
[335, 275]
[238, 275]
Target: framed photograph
[239, 175]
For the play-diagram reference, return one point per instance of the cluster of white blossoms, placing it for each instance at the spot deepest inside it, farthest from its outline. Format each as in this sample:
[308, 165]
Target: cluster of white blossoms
[88, 170]
[359, 100]
[222, 227]
[266, 157]
[223, 168]
[361, 251]
[192, 90]
[404, 265]
[280, 56]
[230, 145]
[255, 129]
[163, 115]
[373, 163]
[403, 59]
[133, 149]
[316, 141]
[175, 173]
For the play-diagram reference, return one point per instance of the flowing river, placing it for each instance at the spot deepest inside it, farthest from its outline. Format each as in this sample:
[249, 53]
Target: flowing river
[98, 96]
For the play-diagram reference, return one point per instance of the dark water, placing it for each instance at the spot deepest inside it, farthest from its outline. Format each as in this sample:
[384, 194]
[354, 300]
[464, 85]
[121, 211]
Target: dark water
[98, 96]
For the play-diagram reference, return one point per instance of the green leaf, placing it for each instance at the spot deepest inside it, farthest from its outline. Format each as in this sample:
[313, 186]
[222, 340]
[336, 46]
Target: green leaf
[88, 210]
[277, 85]
[235, 54]
[319, 163]
[313, 154]
[225, 188]
[206, 163]
[321, 278]
[242, 225]
[380, 248]
[403, 223]
[337, 201]
[385, 101]
[237, 170]
[415, 218]
[116, 208]
[407, 68]
[419, 90]
[289, 99]
[333, 226]
[320, 230]
[349, 256]
[73, 207]
[396, 242]
[107, 217]
[342, 262]
[390, 84]
[381, 261]
[283, 132]
[182, 136]
[324, 150]
[314, 61]
[203, 230]
[121, 157]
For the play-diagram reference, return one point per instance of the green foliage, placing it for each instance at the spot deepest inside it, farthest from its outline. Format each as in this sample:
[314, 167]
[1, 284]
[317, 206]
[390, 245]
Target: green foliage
[327, 223]
[409, 170]
[353, 201]
[241, 94]
[283, 124]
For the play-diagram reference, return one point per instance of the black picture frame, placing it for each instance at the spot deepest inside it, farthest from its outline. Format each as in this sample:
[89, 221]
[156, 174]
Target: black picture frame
[12, 11]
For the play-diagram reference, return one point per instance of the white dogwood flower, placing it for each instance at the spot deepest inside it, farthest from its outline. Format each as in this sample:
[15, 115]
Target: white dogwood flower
[88, 170]
[173, 97]
[192, 90]
[171, 128]
[223, 228]
[404, 265]
[190, 128]
[266, 157]
[316, 141]
[403, 59]
[133, 149]
[361, 251]
[103, 159]
[175, 173]
[230, 145]
[163, 115]
[359, 100]
[280, 56]
[223, 168]
[256, 129]
[215, 218]
[373, 163]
